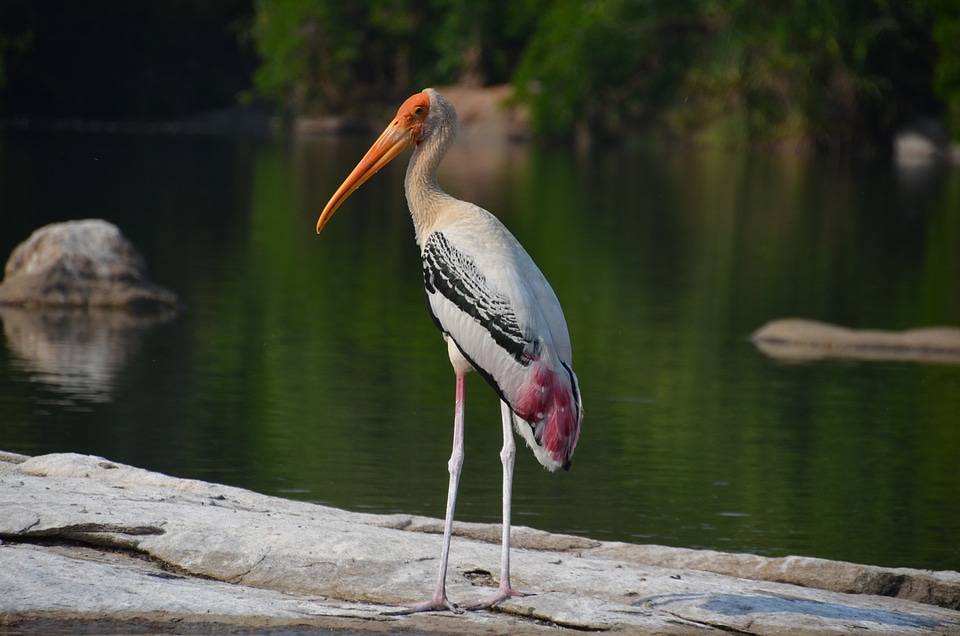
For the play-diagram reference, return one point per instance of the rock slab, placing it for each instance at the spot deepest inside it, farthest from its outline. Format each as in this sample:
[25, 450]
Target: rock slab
[799, 339]
[86, 540]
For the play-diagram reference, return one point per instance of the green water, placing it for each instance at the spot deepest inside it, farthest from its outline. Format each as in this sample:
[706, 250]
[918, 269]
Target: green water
[307, 366]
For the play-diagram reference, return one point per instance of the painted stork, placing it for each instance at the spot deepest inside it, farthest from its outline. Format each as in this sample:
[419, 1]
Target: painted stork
[497, 312]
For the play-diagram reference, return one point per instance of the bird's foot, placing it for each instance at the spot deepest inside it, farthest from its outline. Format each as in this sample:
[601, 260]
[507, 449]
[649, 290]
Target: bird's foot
[501, 594]
[438, 603]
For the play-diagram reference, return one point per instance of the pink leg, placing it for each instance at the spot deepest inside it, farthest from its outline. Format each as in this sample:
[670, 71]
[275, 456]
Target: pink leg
[507, 456]
[439, 601]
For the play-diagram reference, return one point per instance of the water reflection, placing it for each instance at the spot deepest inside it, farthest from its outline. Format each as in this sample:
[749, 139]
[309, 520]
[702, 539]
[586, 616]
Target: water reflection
[78, 354]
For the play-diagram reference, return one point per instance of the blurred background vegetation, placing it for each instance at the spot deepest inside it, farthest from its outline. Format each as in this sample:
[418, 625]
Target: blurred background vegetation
[811, 73]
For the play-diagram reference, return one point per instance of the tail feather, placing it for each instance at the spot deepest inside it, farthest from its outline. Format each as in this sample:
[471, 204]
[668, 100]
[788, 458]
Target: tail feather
[549, 402]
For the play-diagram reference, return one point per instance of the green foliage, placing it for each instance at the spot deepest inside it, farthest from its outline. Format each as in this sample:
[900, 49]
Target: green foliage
[808, 73]
[302, 53]
[818, 71]
[597, 65]
[946, 34]
[481, 42]
[321, 57]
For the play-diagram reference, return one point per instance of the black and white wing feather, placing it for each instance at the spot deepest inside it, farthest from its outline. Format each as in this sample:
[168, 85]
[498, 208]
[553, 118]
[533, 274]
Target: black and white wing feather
[452, 280]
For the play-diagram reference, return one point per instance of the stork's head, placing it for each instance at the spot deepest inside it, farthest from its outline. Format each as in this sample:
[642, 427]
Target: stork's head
[406, 129]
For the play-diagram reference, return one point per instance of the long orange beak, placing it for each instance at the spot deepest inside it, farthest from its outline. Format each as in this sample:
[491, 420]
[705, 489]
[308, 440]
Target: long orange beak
[394, 140]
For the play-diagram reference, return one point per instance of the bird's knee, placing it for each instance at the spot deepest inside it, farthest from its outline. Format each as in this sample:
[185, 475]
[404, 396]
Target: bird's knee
[455, 463]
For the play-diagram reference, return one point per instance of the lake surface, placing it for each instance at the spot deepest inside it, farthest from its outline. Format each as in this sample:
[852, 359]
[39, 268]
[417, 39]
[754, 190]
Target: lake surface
[306, 366]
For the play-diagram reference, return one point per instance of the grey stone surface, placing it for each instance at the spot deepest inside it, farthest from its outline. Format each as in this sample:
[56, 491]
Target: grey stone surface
[87, 540]
[81, 264]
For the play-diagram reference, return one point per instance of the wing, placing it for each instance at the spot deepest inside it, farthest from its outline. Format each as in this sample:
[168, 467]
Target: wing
[504, 318]
[453, 282]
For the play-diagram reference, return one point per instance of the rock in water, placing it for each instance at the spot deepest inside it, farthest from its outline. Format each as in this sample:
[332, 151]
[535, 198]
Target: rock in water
[800, 339]
[83, 264]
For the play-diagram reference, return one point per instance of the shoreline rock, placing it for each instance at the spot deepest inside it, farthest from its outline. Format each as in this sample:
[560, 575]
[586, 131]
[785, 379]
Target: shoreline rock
[87, 541]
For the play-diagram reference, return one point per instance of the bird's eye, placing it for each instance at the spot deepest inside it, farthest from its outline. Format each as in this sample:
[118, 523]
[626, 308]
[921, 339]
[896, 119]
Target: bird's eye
[418, 110]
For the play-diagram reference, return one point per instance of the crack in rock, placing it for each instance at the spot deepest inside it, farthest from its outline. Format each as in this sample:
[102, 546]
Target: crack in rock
[79, 529]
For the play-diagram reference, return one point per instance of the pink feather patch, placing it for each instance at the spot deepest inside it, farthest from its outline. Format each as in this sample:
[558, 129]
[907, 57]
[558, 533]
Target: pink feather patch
[546, 402]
